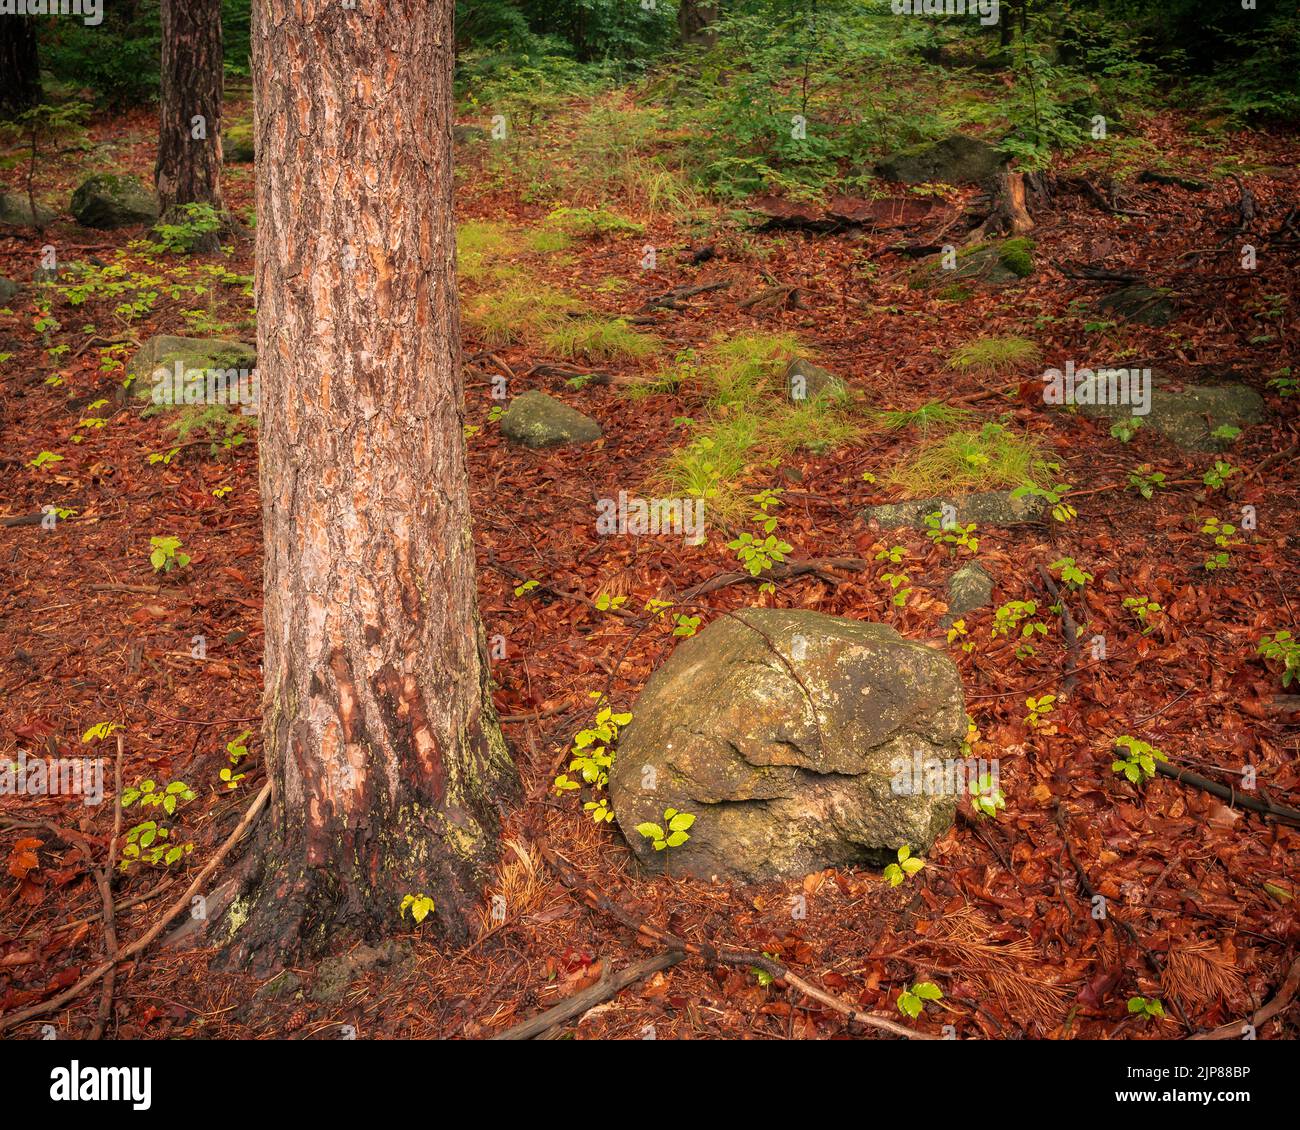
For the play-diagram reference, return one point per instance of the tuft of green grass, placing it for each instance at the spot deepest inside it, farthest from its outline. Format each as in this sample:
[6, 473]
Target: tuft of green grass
[479, 244]
[740, 369]
[600, 339]
[995, 355]
[934, 415]
[592, 223]
[966, 461]
[546, 240]
[751, 421]
[715, 464]
[716, 458]
[517, 312]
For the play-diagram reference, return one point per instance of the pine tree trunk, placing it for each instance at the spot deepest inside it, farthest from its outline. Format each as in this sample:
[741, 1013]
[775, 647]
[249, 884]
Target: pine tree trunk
[20, 88]
[388, 762]
[189, 117]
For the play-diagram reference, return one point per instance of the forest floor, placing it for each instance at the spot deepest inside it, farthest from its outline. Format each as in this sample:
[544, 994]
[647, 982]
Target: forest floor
[1201, 891]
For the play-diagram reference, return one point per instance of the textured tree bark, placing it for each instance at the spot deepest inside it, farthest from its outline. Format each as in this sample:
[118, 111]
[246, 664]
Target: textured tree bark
[388, 762]
[189, 118]
[21, 86]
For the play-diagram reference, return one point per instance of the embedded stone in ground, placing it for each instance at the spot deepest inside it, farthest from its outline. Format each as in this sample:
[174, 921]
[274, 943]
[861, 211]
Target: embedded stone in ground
[537, 420]
[784, 733]
[1189, 417]
[1137, 303]
[969, 588]
[987, 508]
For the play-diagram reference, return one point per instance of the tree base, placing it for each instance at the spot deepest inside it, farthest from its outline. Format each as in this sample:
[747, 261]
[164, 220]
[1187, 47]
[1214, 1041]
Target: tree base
[288, 912]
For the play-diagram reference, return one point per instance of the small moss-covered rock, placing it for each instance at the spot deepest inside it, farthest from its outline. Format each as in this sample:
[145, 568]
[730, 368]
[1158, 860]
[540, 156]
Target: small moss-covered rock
[1017, 256]
[995, 263]
[16, 209]
[805, 381]
[8, 288]
[537, 420]
[111, 200]
[237, 143]
[969, 588]
[954, 160]
[987, 508]
[58, 273]
[790, 736]
[283, 984]
[1148, 306]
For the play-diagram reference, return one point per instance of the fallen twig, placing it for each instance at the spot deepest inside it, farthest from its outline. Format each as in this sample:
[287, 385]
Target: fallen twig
[1228, 793]
[609, 985]
[102, 878]
[143, 942]
[724, 956]
[1261, 1015]
[1069, 629]
[672, 299]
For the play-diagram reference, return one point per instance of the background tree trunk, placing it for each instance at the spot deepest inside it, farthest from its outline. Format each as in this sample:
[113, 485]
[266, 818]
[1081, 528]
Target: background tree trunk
[189, 167]
[379, 732]
[20, 88]
[694, 18]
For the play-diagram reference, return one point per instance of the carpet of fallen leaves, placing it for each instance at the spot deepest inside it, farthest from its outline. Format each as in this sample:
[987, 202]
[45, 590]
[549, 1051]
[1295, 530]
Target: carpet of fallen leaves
[1000, 917]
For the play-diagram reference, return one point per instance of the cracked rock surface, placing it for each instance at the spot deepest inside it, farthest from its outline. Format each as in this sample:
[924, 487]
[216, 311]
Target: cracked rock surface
[783, 732]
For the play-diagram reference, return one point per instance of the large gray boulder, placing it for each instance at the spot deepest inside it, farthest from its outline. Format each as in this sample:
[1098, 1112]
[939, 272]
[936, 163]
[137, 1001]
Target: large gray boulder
[111, 200]
[783, 733]
[16, 209]
[954, 160]
[537, 420]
